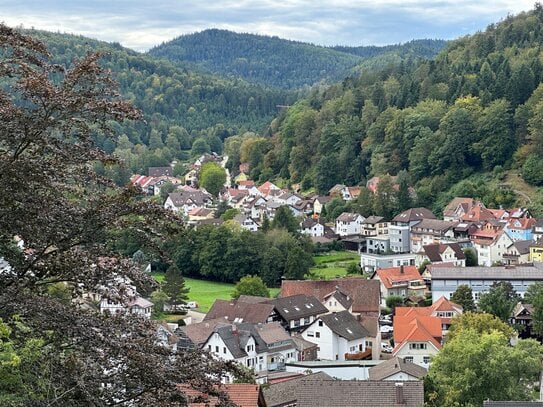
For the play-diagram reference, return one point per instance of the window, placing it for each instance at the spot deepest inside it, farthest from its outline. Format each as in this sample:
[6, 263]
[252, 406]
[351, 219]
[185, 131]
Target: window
[426, 359]
[209, 348]
[217, 349]
[224, 350]
[310, 333]
[408, 359]
[320, 323]
[317, 334]
[417, 346]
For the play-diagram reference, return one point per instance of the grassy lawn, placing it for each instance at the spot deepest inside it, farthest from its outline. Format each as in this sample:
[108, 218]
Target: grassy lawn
[206, 292]
[333, 265]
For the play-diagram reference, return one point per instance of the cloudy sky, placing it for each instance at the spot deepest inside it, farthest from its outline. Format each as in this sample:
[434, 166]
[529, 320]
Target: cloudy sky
[140, 24]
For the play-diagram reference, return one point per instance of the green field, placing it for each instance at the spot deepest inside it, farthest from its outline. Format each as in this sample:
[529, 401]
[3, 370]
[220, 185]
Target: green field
[206, 292]
[333, 265]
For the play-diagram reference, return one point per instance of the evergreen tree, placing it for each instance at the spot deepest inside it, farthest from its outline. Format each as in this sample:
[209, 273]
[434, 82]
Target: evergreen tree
[174, 287]
[463, 296]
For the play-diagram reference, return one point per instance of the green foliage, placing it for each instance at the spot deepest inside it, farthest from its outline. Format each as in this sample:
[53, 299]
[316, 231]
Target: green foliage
[394, 301]
[534, 296]
[251, 285]
[212, 178]
[159, 298]
[165, 190]
[463, 296]
[471, 257]
[472, 367]
[174, 287]
[243, 55]
[229, 214]
[499, 300]
[284, 219]
[479, 322]
[532, 170]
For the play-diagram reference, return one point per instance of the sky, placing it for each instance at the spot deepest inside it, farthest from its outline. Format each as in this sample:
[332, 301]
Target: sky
[141, 24]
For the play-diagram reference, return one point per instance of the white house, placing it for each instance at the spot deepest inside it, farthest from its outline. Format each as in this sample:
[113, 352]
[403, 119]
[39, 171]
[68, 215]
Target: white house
[246, 222]
[312, 227]
[400, 228]
[337, 336]
[398, 370]
[491, 246]
[138, 306]
[431, 231]
[348, 224]
[185, 201]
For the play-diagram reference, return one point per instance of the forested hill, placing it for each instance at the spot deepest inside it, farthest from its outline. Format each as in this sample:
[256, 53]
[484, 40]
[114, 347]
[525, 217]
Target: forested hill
[476, 109]
[278, 62]
[181, 106]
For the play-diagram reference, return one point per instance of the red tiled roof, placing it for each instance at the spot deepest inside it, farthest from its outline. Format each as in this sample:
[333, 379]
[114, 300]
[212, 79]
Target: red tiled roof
[478, 214]
[241, 394]
[419, 328]
[397, 274]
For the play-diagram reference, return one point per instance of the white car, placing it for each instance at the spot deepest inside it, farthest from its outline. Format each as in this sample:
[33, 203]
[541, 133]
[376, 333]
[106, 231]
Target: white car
[386, 348]
[385, 329]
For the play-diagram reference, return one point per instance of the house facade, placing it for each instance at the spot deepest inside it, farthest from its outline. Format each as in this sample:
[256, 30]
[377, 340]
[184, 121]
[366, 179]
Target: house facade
[348, 224]
[403, 281]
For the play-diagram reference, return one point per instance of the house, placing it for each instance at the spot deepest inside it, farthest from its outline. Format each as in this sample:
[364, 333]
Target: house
[246, 222]
[374, 226]
[518, 213]
[336, 191]
[319, 203]
[185, 201]
[337, 335]
[306, 391]
[312, 227]
[307, 350]
[240, 311]
[158, 182]
[144, 182]
[442, 253]
[431, 231]
[348, 224]
[373, 183]
[369, 262]
[267, 187]
[137, 306]
[478, 213]
[247, 184]
[399, 228]
[445, 280]
[536, 251]
[518, 253]
[378, 244]
[193, 336]
[522, 317]
[240, 394]
[160, 171]
[244, 167]
[403, 281]
[443, 309]
[364, 292]
[241, 177]
[537, 231]
[417, 338]
[490, 403]
[338, 301]
[296, 312]
[520, 228]
[491, 245]
[230, 194]
[199, 214]
[287, 198]
[397, 369]
[458, 207]
[350, 193]
[166, 334]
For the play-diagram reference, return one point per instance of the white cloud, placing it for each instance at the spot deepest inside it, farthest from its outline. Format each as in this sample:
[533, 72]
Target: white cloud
[140, 24]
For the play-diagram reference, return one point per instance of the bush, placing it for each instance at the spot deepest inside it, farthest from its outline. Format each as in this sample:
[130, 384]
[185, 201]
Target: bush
[532, 170]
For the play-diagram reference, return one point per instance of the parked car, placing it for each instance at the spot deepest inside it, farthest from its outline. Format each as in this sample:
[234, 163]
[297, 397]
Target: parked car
[386, 348]
[385, 329]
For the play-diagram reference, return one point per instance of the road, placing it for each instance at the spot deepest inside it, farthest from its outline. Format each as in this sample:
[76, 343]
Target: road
[223, 164]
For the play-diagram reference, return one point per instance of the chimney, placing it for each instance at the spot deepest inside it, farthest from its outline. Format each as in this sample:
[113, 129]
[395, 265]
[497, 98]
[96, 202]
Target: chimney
[399, 394]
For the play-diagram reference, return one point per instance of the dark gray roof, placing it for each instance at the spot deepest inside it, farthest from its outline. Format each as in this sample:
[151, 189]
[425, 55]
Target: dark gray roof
[160, 171]
[345, 325]
[395, 365]
[281, 393]
[372, 220]
[252, 299]
[348, 217]
[523, 246]
[232, 339]
[352, 393]
[239, 311]
[298, 306]
[434, 251]
[342, 298]
[526, 272]
[308, 223]
[414, 214]
[436, 225]
[183, 197]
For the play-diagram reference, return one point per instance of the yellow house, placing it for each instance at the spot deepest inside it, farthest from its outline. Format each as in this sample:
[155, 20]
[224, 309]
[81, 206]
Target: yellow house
[241, 177]
[536, 251]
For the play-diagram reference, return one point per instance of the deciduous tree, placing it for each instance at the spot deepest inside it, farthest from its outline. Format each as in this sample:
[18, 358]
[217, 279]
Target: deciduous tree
[251, 285]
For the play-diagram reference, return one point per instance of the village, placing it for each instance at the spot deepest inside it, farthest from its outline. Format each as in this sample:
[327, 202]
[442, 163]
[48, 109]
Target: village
[383, 325]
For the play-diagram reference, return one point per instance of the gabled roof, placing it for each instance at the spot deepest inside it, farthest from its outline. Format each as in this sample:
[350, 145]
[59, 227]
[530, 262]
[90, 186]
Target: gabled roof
[308, 223]
[521, 223]
[200, 212]
[344, 324]
[520, 308]
[297, 306]
[336, 189]
[443, 304]
[199, 332]
[436, 225]
[372, 220]
[352, 393]
[194, 197]
[416, 328]
[234, 339]
[414, 214]
[273, 332]
[478, 214]
[240, 394]
[495, 273]
[396, 365]
[365, 293]
[434, 251]
[160, 171]
[522, 246]
[341, 297]
[240, 311]
[354, 192]
[348, 217]
[391, 275]
[322, 199]
[466, 203]
[278, 394]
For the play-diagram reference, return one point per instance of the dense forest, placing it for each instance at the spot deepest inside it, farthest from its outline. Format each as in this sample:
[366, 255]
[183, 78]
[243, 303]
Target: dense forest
[182, 108]
[282, 63]
[458, 124]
